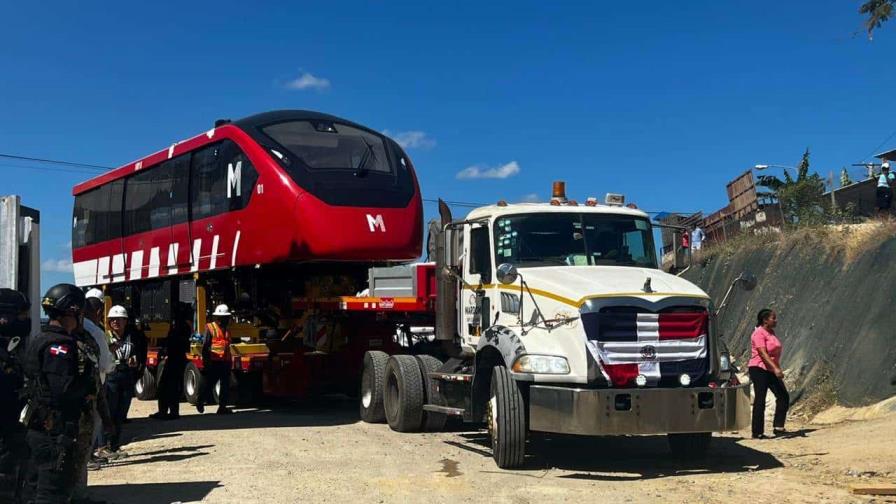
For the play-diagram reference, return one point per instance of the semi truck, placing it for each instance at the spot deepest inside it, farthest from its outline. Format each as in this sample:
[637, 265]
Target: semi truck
[527, 317]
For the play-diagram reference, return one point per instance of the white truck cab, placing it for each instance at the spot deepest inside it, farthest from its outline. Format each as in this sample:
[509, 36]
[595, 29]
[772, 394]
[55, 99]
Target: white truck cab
[562, 322]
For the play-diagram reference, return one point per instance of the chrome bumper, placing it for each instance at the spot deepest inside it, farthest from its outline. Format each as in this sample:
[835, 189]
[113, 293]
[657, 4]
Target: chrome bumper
[638, 411]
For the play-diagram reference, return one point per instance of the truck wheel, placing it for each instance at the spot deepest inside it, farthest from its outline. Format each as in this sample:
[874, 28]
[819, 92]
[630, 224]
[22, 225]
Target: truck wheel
[506, 417]
[145, 388]
[432, 421]
[689, 445]
[403, 399]
[192, 380]
[373, 379]
[216, 390]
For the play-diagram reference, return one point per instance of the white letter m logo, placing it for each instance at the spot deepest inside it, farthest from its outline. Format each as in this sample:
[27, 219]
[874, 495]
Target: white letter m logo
[234, 176]
[376, 223]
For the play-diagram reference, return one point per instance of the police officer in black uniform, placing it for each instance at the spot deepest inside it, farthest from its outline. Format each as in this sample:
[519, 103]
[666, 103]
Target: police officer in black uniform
[57, 390]
[15, 325]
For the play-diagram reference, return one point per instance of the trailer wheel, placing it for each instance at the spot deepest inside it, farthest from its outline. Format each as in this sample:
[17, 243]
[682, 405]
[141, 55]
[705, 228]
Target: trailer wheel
[687, 446]
[506, 417]
[403, 398]
[432, 421]
[192, 381]
[145, 388]
[373, 379]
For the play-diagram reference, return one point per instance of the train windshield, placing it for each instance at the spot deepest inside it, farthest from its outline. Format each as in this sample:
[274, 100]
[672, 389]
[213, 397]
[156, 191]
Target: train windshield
[329, 146]
[342, 164]
[574, 239]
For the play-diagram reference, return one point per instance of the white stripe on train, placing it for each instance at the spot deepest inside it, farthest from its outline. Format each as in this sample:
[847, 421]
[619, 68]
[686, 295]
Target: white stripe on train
[97, 271]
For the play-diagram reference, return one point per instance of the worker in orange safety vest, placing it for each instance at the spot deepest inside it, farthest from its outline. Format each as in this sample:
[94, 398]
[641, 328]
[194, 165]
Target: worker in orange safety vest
[216, 361]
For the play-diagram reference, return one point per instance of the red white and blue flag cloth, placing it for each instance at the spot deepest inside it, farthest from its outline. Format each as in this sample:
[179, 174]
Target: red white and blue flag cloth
[656, 345]
[58, 349]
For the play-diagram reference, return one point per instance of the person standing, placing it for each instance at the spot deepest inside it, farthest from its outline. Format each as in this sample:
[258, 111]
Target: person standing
[884, 191]
[120, 382]
[101, 421]
[766, 374]
[216, 361]
[58, 388]
[15, 324]
[174, 361]
[697, 237]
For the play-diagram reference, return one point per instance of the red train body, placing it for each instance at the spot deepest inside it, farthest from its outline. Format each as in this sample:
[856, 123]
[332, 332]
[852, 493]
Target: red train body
[286, 186]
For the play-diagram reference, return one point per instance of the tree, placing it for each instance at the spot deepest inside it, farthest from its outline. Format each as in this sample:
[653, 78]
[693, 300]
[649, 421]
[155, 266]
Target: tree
[800, 198]
[878, 12]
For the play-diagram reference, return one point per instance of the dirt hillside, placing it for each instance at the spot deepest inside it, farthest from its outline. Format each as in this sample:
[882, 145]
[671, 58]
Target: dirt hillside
[835, 293]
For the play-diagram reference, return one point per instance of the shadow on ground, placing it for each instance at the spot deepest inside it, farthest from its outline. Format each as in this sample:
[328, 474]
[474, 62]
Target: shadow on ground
[153, 493]
[621, 458]
[323, 411]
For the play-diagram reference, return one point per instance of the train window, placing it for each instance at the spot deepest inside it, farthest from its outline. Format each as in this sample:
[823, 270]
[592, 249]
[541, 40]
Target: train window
[97, 215]
[142, 208]
[222, 179]
[180, 187]
[333, 147]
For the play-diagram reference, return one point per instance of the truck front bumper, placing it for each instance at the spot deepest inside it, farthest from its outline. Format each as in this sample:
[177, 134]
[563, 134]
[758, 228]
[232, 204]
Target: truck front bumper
[638, 411]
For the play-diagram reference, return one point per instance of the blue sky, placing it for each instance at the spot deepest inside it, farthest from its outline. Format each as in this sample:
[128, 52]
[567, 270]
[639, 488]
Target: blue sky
[663, 101]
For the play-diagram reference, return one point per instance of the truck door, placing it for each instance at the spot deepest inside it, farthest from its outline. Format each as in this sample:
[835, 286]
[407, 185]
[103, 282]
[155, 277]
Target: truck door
[478, 308]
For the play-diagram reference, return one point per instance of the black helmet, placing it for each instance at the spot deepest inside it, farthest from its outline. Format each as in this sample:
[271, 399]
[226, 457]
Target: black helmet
[13, 302]
[62, 299]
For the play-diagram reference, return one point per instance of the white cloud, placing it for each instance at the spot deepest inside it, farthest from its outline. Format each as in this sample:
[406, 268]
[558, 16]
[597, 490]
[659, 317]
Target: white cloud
[308, 81]
[412, 139]
[57, 265]
[483, 172]
[530, 198]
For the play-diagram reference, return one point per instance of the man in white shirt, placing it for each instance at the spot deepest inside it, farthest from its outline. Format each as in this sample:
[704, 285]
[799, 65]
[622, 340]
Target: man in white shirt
[93, 325]
[697, 237]
[884, 191]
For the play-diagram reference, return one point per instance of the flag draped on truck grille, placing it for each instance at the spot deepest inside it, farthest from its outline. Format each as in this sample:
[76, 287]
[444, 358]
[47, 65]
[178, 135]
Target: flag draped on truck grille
[656, 345]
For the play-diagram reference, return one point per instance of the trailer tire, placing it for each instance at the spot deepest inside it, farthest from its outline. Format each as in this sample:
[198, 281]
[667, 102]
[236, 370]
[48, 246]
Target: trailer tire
[688, 446]
[403, 397]
[432, 421]
[506, 417]
[192, 383]
[373, 380]
[145, 388]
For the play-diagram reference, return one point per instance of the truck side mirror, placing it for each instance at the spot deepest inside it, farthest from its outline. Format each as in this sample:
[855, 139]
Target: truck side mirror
[507, 273]
[747, 280]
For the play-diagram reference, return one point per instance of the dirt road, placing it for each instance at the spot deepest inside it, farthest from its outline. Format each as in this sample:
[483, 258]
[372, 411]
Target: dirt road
[322, 453]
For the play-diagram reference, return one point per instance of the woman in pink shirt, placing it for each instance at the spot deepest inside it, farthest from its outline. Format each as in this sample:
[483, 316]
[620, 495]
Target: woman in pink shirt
[765, 373]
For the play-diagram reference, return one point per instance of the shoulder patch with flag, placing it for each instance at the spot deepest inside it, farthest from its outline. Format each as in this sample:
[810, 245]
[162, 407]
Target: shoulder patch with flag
[58, 349]
[656, 345]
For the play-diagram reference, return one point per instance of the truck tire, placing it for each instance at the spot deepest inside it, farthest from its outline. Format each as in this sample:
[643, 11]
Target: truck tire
[192, 382]
[506, 417]
[687, 446]
[403, 398]
[432, 421]
[232, 383]
[373, 380]
[145, 388]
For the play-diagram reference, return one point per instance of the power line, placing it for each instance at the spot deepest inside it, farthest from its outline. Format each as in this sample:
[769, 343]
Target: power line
[893, 134]
[56, 161]
[48, 168]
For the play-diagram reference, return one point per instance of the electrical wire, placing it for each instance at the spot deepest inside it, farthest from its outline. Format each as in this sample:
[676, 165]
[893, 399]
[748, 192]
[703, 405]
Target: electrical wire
[55, 161]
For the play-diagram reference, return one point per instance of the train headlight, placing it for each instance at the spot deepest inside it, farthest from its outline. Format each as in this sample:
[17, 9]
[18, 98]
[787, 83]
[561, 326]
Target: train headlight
[640, 380]
[541, 364]
[684, 380]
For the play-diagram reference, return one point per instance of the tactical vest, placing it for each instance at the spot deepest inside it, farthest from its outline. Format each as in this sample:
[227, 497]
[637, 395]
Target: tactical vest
[220, 344]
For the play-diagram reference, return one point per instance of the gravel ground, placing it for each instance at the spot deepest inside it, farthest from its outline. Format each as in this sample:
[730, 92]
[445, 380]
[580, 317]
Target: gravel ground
[323, 453]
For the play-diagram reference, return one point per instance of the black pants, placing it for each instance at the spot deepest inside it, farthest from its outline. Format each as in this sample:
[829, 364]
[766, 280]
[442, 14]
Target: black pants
[54, 484]
[216, 371]
[119, 392]
[171, 385]
[13, 456]
[763, 381]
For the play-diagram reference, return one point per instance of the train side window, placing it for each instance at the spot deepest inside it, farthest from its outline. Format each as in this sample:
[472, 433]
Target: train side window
[207, 183]
[240, 174]
[180, 187]
[139, 202]
[97, 215]
[222, 180]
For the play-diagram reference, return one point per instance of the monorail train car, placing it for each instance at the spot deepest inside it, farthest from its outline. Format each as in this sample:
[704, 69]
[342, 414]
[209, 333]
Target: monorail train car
[256, 213]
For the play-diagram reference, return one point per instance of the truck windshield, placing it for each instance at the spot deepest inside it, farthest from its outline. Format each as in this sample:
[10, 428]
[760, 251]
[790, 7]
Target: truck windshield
[574, 239]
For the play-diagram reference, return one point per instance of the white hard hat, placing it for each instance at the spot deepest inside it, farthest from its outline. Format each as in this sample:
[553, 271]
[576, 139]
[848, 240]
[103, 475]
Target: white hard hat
[885, 165]
[221, 311]
[95, 294]
[117, 311]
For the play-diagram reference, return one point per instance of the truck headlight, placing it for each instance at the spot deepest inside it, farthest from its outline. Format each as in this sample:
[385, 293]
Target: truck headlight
[541, 364]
